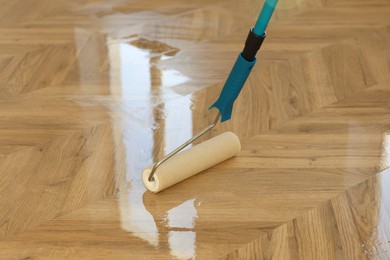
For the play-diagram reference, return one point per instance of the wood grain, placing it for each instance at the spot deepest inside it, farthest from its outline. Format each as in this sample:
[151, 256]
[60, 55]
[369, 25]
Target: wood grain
[352, 225]
[93, 91]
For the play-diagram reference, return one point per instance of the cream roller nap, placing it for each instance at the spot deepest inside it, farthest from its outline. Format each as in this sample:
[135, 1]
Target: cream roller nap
[192, 161]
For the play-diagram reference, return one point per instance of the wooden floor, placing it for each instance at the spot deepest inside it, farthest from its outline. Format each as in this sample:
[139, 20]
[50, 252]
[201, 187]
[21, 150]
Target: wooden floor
[92, 91]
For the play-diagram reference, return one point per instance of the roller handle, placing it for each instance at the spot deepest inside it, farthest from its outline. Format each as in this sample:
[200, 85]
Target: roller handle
[244, 63]
[238, 75]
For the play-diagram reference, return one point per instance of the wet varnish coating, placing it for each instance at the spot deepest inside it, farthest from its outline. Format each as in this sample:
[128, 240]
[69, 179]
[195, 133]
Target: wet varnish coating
[91, 92]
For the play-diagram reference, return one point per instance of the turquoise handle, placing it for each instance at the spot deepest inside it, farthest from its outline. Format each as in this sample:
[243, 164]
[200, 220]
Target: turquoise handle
[233, 85]
[264, 17]
[242, 68]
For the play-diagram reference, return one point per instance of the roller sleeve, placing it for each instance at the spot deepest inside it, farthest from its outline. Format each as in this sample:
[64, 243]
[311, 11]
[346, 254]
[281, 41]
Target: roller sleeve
[192, 161]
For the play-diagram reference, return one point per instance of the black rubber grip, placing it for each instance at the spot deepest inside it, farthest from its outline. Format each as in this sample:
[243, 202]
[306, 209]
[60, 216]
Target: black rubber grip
[252, 45]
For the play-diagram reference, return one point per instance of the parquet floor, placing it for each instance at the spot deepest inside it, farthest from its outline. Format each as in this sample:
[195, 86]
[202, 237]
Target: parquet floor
[92, 91]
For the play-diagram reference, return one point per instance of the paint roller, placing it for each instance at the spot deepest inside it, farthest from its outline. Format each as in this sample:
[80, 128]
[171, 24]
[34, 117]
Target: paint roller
[178, 166]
